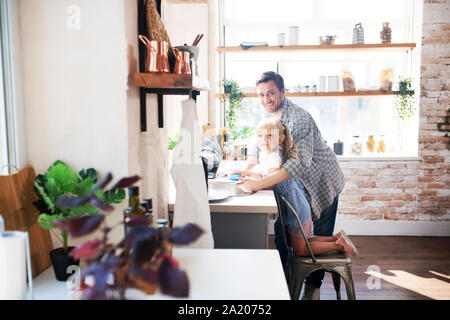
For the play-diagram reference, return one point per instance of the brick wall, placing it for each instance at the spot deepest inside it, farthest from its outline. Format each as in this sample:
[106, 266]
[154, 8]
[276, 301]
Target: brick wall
[412, 190]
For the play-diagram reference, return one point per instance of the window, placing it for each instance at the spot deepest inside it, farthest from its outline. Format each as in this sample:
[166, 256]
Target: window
[7, 145]
[339, 118]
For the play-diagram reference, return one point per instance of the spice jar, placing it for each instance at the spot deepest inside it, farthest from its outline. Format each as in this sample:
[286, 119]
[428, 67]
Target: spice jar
[381, 148]
[356, 146]
[370, 144]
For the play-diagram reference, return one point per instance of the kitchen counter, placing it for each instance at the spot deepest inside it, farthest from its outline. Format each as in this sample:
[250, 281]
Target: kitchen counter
[214, 274]
[260, 202]
[239, 222]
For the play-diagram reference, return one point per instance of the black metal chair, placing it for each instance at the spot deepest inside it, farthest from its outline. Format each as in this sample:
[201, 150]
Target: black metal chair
[297, 267]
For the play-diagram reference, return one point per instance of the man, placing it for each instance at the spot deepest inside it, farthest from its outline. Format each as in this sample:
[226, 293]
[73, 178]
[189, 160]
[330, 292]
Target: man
[315, 175]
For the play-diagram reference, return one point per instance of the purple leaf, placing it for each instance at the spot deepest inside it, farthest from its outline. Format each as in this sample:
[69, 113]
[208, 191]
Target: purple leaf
[143, 251]
[139, 221]
[125, 182]
[142, 241]
[87, 249]
[172, 280]
[139, 233]
[101, 272]
[102, 206]
[104, 182]
[71, 202]
[184, 235]
[80, 226]
[92, 293]
[148, 275]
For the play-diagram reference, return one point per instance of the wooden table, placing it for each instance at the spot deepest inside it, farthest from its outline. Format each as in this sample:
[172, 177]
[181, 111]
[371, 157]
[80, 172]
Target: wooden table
[240, 222]
[214, 274]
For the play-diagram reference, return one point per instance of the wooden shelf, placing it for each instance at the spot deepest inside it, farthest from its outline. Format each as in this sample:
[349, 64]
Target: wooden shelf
[331, 47]
[163, 80]
[323, 94]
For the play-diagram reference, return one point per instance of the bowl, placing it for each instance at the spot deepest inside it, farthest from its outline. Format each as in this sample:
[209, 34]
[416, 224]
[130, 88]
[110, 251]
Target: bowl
[327, 39]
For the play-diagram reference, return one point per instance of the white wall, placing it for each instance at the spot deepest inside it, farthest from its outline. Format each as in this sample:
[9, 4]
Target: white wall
[75, 85]
[184, 22]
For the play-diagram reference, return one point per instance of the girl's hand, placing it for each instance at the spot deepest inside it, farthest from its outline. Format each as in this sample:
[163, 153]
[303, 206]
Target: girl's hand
[250, 185]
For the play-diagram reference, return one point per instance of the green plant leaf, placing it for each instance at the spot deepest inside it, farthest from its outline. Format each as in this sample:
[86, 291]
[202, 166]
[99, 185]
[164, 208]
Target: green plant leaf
[60, 179]
[115, 196]
[89, 173]
[172, 140]
[44, 196]
[86, 208]
[84, 187]
[45, 220]
[404, 101]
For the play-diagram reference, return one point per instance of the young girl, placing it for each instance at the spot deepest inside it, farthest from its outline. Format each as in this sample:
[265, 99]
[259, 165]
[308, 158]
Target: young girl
[276, 146]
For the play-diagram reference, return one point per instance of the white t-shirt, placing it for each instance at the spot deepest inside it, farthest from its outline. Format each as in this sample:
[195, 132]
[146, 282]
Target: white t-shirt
[268, 161]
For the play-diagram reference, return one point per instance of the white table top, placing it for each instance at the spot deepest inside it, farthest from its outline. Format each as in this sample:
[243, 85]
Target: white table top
[260, 202]
[214, 274]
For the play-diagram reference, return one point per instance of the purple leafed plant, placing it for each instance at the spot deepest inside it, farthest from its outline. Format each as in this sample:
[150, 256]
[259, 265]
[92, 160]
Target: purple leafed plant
[141, 260]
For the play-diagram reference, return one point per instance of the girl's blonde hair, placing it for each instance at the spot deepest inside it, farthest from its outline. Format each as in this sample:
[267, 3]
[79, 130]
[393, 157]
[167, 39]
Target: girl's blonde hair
[288, 147]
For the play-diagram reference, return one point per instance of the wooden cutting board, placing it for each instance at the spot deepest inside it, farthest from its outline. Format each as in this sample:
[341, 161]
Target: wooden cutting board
[16, 207]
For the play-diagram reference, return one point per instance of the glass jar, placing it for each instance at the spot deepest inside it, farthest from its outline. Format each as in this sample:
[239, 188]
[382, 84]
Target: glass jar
[370, 144]
[381, 146]
[228, 151]
[356, 146]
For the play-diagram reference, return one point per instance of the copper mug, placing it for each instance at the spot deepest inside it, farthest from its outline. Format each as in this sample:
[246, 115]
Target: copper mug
[157, 55]
[182, 62]
[163, 60]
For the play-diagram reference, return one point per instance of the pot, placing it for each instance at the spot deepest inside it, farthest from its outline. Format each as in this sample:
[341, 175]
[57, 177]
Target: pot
[61, 262]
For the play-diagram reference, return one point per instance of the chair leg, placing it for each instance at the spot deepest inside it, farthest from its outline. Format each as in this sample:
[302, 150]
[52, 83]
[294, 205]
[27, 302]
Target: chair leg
[287, 272]
[295, 287]
[337, 284]
[296, 283]
[346, 274]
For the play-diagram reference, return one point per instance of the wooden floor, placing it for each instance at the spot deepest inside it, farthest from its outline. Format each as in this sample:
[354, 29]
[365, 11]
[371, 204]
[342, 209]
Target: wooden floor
[397, 268]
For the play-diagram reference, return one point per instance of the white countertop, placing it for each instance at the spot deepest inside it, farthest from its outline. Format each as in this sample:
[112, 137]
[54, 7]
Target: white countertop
[260, 202]
[214, 274]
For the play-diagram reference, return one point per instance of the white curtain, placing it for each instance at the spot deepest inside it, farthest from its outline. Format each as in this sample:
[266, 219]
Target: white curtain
[191, 202]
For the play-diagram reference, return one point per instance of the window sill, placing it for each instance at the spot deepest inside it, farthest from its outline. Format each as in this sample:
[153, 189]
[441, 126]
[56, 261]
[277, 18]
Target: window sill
[377, 159]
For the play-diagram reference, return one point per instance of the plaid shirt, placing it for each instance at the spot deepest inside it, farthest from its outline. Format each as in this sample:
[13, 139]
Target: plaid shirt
[316, 167]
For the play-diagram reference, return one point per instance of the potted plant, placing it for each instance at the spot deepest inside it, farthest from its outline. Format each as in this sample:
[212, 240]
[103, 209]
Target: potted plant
[142, 260]
[404, 103]
[234, 98]
[61, 180]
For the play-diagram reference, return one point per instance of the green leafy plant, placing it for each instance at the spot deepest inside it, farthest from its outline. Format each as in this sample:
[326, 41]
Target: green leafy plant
[172, 140]
[60, 180]
[234, 99]
[404, 103]
[142, 260]
[246, 132]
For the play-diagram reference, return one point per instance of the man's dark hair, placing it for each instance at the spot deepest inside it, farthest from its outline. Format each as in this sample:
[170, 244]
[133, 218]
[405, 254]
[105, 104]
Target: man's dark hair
[270, 75]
